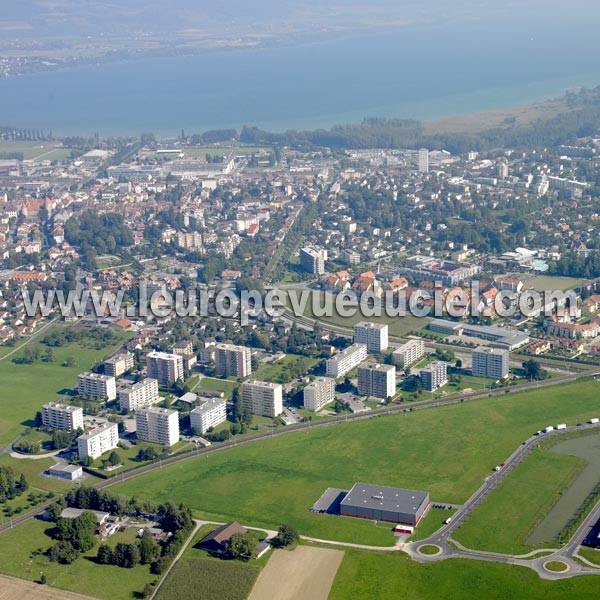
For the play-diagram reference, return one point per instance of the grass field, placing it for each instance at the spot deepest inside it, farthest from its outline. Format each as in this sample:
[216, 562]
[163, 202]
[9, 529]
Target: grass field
[447, 451]
[36, 150]
[26, 387]
[393, 575]
[591, 554]
[33, 470]
[544, 282]
[217, 385]
[279, 371]
[22, 550]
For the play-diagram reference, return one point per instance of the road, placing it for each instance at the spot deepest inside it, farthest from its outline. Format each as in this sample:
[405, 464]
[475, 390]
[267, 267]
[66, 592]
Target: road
[30, 339]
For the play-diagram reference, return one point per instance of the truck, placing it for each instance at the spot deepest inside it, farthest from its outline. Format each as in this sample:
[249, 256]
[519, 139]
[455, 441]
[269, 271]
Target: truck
[448, 520]
[561, 426]
[548, 429]
[594, 421]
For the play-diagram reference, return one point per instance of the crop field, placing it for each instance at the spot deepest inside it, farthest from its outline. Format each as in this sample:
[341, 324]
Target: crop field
[389, 576]
[447, 451]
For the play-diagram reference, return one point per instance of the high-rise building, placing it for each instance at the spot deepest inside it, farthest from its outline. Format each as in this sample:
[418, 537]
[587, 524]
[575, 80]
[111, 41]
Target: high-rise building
[233, 360]
[262, 398]
[138, 395]
[118, 364]
[502, 168]
[157, 425]
[210, 413]
[409, 353]
[346, 360]
[374, 335]
[423, 160]
[62, 416]
[99, 387]
[95, 443]
[377, 380]
[318, 393]
[164, 367]
[491, 362]
[434, 376]
[313, 260]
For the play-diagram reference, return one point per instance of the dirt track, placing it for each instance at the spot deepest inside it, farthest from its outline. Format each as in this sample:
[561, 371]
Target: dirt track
[18, 589]
[303, 573]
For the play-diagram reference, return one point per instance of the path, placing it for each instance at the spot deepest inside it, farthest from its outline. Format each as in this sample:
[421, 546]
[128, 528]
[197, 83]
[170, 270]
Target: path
[32, 337]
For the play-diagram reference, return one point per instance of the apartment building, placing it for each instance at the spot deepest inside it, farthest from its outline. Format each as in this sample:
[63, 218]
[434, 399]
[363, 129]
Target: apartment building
[164, 367]
[318, 393]
[118, 364]
[95, 443]
[233, 360]
[210, 413]
[490, 362]
[157, 425]
[377, 380]
[62, 416]
[138, 395]
[374, 335]
[97, 386]
[434, 376]
[262, 398]
[313, 259]
[346, 360]
[409, 353]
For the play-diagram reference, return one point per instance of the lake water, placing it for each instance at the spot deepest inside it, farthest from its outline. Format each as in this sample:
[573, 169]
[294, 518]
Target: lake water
[417, 71]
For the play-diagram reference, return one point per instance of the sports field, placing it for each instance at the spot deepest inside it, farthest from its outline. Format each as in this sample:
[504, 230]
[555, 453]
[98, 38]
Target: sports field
[447, 451]
[545, 282]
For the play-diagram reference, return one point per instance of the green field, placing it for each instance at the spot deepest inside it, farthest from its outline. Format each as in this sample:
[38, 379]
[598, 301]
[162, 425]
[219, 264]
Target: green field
[447, 451]
[590, 554]
[543, 282]
[217, 385]
[36, 150]
[390, 576]
[279, 370]
[26, 387]
[22, 550]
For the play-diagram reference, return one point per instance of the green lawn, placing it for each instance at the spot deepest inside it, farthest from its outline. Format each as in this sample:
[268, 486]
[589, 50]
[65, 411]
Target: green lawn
[591, 554]
[544, 282]
[33, 470]
[26, 387]
[392, 576]
[279, 370]
[217, 385]
[503, 521]
[22, 550]
[447, 451]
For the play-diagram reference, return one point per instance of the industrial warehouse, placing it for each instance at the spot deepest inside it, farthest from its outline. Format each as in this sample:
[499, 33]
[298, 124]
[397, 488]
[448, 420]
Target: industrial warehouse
[376, 503]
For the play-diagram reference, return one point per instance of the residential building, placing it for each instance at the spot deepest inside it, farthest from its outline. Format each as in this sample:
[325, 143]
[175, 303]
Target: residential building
[118, 364]
[318, 393]
[423, 160]
[138, 395]
[313, 260]
[377, 380]
[434, 376]
[62, 416]
[409, 353]
[346, 360]
[164, 367]
[374, 335]
[157, 425]
[95, 443]
[262, 398]
[97, 386]
[490, 362]
[183, 348]
[233, 360]
[209, 414]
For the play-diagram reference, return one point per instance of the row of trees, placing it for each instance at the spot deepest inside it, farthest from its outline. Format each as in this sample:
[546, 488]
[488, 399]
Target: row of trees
[11, 485]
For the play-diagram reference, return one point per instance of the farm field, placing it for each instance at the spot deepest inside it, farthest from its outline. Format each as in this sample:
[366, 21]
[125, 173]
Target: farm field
[389, 576]
[22, 551]
[35, 150]
[18, 589]
[545, 282]
[449, 450]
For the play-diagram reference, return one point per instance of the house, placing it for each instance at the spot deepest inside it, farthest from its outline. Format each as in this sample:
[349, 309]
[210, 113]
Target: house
[216, 541]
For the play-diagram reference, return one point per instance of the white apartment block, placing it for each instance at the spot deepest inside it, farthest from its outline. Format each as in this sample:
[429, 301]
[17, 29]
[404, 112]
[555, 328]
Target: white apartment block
[374, 335]
[164, 367]
[434, 376]
[157, 425]
[118, 364]
[262, 398]
[318, 393]
[377, 380]
[209, 414]
[62, 416]
[313, 260]
[99, 387]
[95, 443]
[409, 353]
[233, 360]
[346, 360]
[490, 362]
[138, 395]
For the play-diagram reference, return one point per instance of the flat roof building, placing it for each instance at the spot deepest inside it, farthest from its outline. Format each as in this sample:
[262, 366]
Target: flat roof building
[95, 443]
[377, 380]
[395, 505]
[157, 425]
[164, 367]
[97, 386]
[490, 362]
[62, 416]
[434, 375]
[409, 353]
[118, 364]
[313, 260]
[319, 393]
[65, 471]
[374, 335]
[138, 395]
[262, 398]
[346, 360]
[233, 360]
[210, 413]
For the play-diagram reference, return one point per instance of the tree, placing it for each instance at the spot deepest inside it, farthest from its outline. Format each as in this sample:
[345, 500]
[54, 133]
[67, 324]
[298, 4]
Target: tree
[105, 555]
[43, 579]
[286, 535]
[533, 370]
[63, 552]
[114, 458]
[149, 549]
[239, 546]
[126, 555]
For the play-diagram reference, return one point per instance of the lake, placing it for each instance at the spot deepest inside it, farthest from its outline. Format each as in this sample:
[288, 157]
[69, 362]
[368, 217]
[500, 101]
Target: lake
[417, 71]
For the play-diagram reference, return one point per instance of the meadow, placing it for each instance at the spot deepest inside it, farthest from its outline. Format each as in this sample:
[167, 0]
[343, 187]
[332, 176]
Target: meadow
[447, 451]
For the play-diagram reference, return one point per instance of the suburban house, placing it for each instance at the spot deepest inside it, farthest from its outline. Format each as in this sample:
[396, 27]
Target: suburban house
[216, 541]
